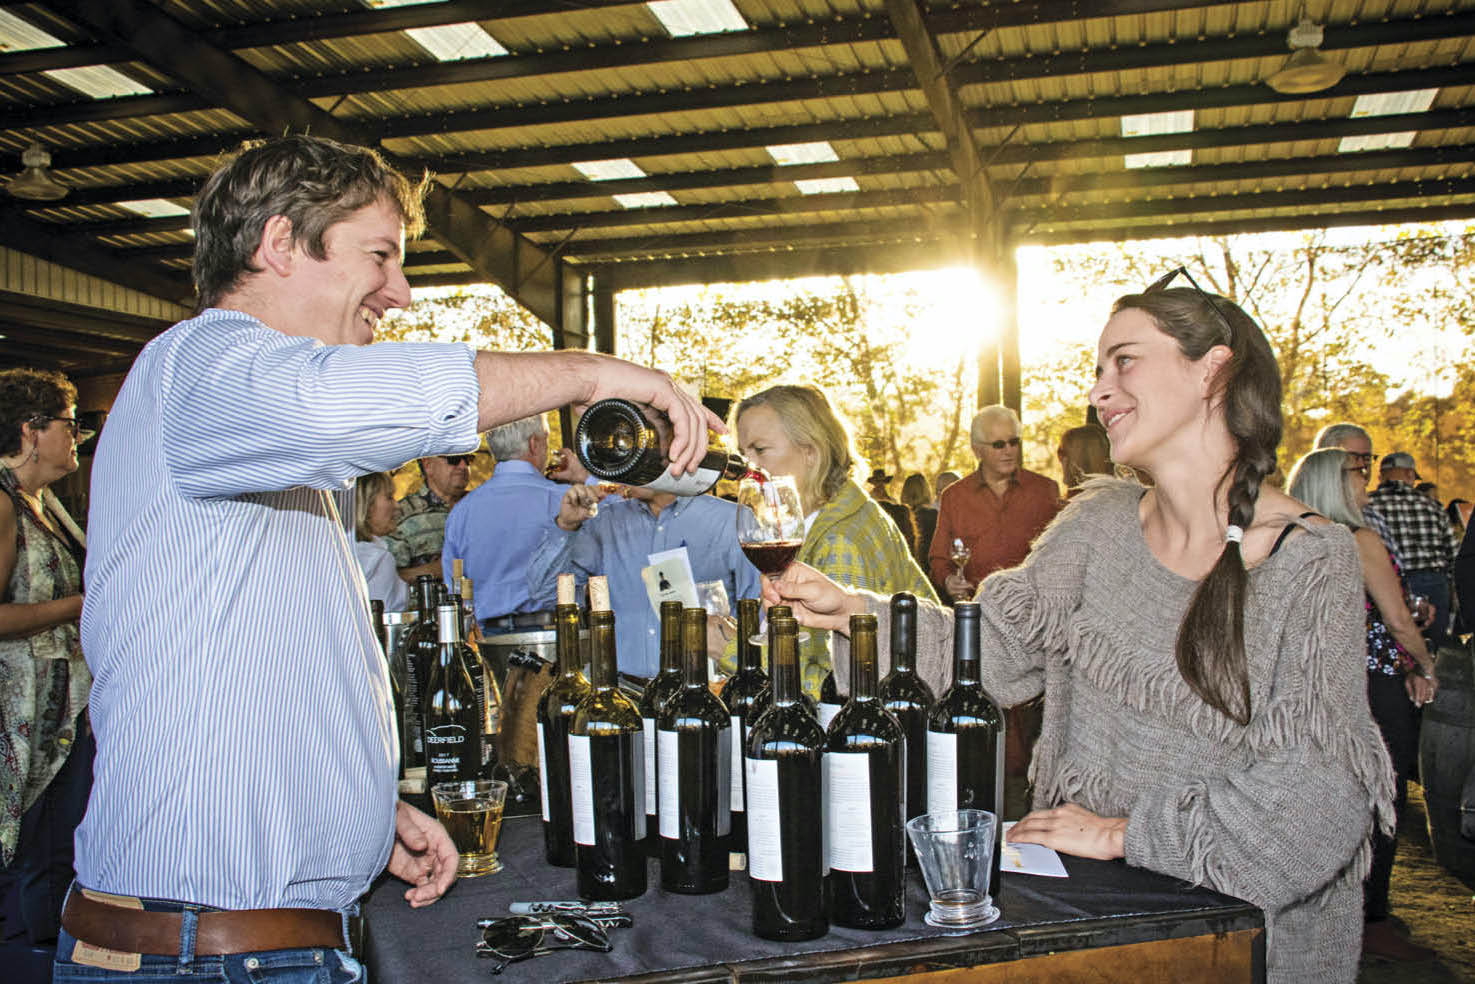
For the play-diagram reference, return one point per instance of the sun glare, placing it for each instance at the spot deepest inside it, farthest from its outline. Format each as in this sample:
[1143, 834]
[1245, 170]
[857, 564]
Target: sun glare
[958, 312]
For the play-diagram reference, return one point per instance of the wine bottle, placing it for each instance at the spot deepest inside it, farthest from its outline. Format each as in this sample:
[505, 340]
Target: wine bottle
[397, 626]
[830, 700]
[694, 732]
[784, 611]
[452, 715]
[489, 693]
[616, 442]
[606, 766]
[376, 622]
[783, 761]
[746, 694]
[555, 713]
[657, 692]
[965, 738]
[421, 646]
[865, 765]
[909, 699]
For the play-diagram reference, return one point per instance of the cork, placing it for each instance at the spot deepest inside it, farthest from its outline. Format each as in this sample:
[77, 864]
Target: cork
[467, 587]
[458, 568]
[566, 589]
[599, 594]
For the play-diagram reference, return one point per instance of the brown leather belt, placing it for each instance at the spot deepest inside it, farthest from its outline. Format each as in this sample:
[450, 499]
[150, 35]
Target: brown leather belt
[133, 930]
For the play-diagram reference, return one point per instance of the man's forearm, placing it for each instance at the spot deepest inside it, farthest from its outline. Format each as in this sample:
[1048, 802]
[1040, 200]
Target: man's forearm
[519, 384]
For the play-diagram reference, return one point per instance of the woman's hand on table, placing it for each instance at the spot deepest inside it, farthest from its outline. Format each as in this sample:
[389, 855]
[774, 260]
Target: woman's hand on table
[1074, 830]
[818, 602]
[423, 855]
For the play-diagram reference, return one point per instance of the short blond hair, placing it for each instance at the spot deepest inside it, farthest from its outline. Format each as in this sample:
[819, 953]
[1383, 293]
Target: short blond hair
[811, 422]
[366, 490]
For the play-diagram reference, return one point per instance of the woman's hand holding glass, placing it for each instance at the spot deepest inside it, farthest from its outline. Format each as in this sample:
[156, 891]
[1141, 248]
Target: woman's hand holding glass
[818, 602]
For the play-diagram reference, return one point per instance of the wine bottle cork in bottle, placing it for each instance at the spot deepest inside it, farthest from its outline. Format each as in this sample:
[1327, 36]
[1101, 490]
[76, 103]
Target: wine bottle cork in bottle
[458, 568]
[599, 593]
[566, 589]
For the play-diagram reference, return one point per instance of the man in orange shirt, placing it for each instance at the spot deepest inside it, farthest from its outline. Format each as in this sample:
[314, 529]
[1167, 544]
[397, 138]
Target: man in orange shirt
[996, 513]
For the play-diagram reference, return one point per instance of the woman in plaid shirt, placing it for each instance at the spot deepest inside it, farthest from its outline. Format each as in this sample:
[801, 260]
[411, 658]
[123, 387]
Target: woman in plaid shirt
[793, 430]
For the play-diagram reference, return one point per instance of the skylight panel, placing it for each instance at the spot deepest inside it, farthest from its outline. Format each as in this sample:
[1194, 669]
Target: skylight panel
[609, 170]
[645, 199]
[454, 42]
[825, 186]
[21, 35]
[686, 17]
[1150, 124]
[1376, 141]
[1394, 103]
[155, 208]
[1160, 158]
[786, 155]
[98, 81]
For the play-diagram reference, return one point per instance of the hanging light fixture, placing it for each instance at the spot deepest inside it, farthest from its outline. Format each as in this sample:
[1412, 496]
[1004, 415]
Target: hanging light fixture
[35, 183]
[1307, 69]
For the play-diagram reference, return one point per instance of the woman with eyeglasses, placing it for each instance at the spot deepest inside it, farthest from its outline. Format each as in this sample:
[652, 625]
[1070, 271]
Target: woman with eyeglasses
[1205, 703]
[46, 745]
[1400, 670]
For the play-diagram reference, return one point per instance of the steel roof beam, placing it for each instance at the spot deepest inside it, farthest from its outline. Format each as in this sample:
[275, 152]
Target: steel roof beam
[732, 240]
[67, 340]
[1275, 223]
[57, 244]
[521, 267]
[784, 265]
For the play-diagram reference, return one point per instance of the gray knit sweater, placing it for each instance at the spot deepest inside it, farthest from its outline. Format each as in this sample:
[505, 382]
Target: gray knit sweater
[1277, 812]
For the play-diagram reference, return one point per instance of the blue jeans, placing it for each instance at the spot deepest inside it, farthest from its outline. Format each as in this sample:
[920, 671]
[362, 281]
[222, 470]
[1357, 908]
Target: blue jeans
[1434, 585]
[317, 965]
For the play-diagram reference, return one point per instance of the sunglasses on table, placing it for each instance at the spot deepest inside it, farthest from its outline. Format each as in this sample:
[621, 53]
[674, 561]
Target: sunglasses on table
[1161, 283]
[516, 938]
[80, 434]
[1008, 442]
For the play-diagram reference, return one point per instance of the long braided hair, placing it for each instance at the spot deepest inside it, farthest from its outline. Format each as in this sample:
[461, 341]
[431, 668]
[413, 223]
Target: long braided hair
[1211, 646]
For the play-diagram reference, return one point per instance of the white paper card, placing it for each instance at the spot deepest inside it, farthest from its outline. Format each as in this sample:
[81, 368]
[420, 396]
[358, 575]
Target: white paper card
[737, 764]
[1029, 859]
[765, 842]
[669, 578]
[649, 725]
[543, 772]
[581, 789]
[667, 764]
[826, 714]
[724, 782]
[942, 772]
[848, 789]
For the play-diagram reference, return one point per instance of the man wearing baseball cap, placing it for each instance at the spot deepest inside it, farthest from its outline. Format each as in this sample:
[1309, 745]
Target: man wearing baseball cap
[1423, 535]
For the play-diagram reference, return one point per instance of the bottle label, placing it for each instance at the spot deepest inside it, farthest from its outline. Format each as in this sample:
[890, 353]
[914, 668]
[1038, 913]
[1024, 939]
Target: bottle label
[543, 773]
[634, 746]
[581, 789]
[666, 762]
[942, 772]
[765, 840]
[649, 724]
[445, 746]
[827, 714]
[696, 483]
[724, 782]
[736, 771]
[848, 804]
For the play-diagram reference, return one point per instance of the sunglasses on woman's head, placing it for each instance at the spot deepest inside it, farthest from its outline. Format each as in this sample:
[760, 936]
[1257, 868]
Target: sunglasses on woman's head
[1161, 283]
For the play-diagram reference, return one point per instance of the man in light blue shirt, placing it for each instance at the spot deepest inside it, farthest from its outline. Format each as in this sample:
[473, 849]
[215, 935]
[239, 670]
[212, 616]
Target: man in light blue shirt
[494, 529]
[616, 539]
[246, 744]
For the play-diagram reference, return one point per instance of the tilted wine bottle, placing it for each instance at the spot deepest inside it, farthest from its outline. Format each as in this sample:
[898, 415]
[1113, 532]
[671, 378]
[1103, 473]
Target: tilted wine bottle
[965, 738]
[865, 764]
[784, 765]
[555, 713]
[452, 714]
[606, 771]
[694, 732]
[616, 442]
[745, 693]
[660, 689]
[909, 699]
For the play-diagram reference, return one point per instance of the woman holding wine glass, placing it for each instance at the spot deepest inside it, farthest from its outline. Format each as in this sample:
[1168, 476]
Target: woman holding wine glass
[1199, 644]
[793, 431]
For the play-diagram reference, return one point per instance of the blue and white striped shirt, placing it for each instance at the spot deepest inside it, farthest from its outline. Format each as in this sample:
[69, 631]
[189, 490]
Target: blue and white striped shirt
[246, 749]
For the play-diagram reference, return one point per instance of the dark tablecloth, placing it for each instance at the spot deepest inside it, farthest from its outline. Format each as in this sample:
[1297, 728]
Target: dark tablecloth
[1102, 903]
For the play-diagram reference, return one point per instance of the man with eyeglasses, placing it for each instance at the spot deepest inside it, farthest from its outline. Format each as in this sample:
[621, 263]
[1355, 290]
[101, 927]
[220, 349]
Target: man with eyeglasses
[1359, 447]
[420, 532]
[1424, 538]
[997, 511]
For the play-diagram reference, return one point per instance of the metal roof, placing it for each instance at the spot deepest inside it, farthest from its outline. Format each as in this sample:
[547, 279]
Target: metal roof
[1041, 87]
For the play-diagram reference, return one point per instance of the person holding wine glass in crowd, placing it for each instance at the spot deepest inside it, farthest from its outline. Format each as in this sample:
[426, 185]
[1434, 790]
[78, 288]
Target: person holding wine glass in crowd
[1400, 669]
[793, 430]
[1202, 668]
[46, 743]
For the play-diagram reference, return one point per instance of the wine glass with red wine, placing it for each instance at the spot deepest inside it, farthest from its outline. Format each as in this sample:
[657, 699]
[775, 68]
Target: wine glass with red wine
[770, 522]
